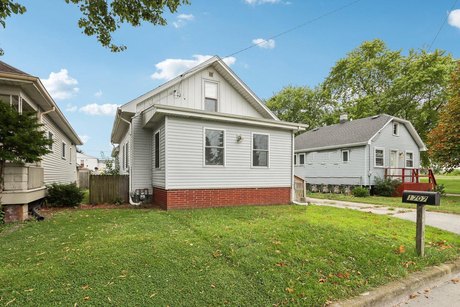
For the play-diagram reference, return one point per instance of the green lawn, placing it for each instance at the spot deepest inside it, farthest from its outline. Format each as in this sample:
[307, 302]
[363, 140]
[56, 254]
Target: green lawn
[449, 204]
[451, 183]
[226, 256]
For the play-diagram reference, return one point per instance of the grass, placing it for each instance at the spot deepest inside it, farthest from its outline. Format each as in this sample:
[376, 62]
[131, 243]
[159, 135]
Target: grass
[449, 204]
[235, 256]
[85, 196]
[451, 183]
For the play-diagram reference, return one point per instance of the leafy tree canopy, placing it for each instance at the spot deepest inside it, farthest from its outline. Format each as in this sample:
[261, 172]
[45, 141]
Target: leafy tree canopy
[21, 139]
[103, 17]
[444, 139]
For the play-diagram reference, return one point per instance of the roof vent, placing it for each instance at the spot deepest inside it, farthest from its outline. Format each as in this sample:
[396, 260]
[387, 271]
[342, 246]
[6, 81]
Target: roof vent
[343, 118]
[375, 116]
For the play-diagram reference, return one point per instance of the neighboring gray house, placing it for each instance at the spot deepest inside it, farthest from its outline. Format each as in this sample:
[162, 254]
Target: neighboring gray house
[205, 139]
[358, 151]
[26, 183]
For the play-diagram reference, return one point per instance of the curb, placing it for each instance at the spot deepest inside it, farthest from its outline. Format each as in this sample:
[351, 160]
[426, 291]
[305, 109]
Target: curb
[394, 292]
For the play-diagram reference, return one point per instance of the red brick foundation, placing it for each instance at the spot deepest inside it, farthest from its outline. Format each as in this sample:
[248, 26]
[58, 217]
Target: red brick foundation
[206, 198]
[15, 213]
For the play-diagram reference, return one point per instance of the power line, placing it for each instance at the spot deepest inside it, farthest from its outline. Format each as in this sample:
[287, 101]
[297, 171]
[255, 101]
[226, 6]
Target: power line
[297, 27]
[442, 25]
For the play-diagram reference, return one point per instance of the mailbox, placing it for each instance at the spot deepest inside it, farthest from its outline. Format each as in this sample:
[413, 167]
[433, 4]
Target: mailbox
[421, 197]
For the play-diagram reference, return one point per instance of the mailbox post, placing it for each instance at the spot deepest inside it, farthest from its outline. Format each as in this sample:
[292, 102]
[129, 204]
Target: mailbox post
[421, 199]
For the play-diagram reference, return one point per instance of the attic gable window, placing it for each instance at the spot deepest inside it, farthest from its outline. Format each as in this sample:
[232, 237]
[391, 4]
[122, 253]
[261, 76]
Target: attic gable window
[396, 129]
[211, 91]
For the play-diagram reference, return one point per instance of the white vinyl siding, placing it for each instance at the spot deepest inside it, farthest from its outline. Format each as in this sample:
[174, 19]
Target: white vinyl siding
[64, 150]
[189, 93]
[327, 167]
[139, 153]
[57, 169]
[185, 151]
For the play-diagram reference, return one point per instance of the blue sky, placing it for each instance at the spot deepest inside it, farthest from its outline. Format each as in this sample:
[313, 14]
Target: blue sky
[88, 81]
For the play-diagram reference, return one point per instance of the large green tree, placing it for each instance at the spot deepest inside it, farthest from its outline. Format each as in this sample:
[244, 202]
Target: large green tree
[373, 79]
[444, 139]
[21, 138]
[301, 105]
[103, 17]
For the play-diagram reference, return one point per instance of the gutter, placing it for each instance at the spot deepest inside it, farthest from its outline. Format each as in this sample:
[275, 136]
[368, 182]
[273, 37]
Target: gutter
[130, 166]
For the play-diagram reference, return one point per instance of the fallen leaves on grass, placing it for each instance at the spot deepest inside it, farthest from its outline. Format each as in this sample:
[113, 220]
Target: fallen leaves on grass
[289, 290]
[322, 280]
[85, 287]
[217, 254]
[408, 264]
[281, 264]
[455, 280]
[400, 250]
[412, 296]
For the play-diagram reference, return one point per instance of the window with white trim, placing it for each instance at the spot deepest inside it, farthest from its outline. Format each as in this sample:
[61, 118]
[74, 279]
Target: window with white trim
[295, 160]
[127, 156]
[214, 147]
[302, 159]
[396, 129]
[260, 149]
[64, 148]
[157, 149]
[211, 92]
[379, 157]
[50, 137]
[409, 159]
[345, 156]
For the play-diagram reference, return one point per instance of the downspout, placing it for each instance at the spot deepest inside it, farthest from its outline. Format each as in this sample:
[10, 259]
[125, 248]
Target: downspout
[46, 112]
[292, 167]
[129, 168]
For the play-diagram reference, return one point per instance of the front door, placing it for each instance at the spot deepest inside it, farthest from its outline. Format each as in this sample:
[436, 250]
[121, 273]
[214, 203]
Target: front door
[394, 163]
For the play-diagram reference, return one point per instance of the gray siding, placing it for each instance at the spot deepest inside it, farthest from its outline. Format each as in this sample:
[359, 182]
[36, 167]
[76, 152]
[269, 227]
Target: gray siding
[56, 168]
[185, 157]
[158, 174]
[402, 143]
[190, 94]
[326, 167]
[140, 154]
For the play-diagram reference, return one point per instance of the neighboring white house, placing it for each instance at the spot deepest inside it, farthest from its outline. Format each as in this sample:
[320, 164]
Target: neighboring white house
[205, 139]
[26, 183]
[358, 151]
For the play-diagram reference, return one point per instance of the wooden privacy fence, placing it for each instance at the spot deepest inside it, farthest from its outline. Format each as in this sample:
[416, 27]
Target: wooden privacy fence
[108, 189]
[83, 178]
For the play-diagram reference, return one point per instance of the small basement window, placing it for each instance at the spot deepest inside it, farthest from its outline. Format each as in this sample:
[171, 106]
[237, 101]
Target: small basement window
[210, 96]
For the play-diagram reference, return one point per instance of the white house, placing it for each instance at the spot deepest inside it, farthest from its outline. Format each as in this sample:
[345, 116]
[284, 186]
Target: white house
[359, 151]
[205, 139]
[25, 184]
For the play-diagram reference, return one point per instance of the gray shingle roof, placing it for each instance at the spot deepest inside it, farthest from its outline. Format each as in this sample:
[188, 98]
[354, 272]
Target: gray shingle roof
[350, 132]
[10, 69]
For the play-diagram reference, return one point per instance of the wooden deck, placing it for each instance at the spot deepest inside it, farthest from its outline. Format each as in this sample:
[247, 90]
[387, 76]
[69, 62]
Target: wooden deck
[410, 179]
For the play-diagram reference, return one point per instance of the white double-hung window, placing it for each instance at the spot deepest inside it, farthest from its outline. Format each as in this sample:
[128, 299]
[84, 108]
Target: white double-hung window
[409, 159]
[379, 157]
[214, 146]
[260, 149]
[211, 94]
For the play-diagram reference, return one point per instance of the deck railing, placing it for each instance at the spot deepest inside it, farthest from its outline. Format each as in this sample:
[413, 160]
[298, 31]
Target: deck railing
[410, 175]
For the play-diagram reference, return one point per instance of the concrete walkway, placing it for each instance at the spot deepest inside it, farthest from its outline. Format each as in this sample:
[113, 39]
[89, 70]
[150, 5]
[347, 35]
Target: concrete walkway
[445, 221]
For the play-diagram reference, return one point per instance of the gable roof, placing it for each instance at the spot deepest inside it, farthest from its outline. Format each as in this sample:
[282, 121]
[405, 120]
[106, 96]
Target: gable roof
[34, 88]
[219, 65]
[351, 133]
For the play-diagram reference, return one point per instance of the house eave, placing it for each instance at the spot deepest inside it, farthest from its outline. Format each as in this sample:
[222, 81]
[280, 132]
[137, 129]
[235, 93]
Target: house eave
[156, 112]
[331, 147]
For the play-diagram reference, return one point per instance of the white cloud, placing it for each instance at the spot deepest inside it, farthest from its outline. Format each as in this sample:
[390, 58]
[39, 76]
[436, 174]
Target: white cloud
[60, 85]
[170, 68]
[71, 108]
[98, 93]
[255, 2]
[454, 18]
[265, 44]
[84, 138]
[100, 109]
[182, 20]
